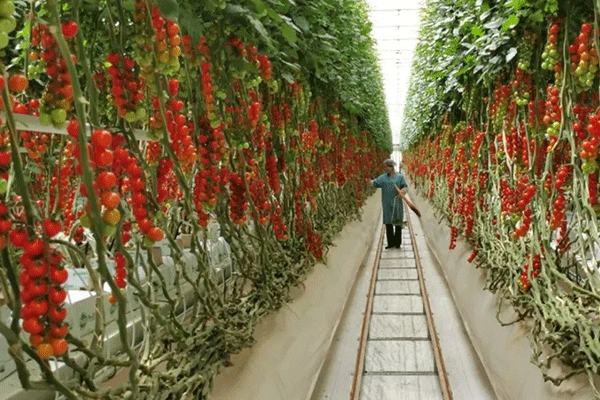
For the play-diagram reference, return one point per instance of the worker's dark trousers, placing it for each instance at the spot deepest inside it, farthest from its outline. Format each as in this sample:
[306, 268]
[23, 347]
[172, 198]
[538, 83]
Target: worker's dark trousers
[393, 238]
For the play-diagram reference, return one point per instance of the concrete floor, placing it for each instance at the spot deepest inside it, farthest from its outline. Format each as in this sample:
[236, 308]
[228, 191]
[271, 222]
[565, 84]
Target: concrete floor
[465, 372]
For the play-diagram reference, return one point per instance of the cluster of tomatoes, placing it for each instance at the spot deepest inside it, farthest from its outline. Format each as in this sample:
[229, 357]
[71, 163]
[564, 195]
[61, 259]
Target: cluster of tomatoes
[593, 188]
[57, 99]
[584, 58]
[207, 90]
[551, 55]
[238, 203]
[522, 87]
[179, 129]
[101, 157]
[276, 117]
[42, 275]
[127, 89]
[265, 67]
[271, 166]
[253, 112]
[167, 39]
[589, 146]
[208, 180]
[278, 226]
[536, 265]
[260, 196]
[499, 107]
[553, 112]
[258, 137]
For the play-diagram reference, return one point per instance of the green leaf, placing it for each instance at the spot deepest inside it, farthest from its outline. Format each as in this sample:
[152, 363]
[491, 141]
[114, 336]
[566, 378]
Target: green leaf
[537, 16]
[288, 32]
[476, 31]
[242, 65]
[260, 7]
[512, 52]
[169, 8]
[510, 23]
[288, 77]
[301, 22]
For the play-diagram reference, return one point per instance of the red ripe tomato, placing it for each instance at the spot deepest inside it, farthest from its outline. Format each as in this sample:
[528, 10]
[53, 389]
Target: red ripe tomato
[155, 234]
[140, 213]
[34, 248]
[138, 199]
[17, 237]
[38, 307]
[5, 225]
[120, 282]
[26, 311]
[36, 340]
[173, 87]
[144, 225]
[57, 313]
[106, 180]
[121, 273]
[24, 278]
[73, 128]
[59, 275]
[134, 170]
[52, 228]
[33, 326]
[17, 83]
[57, 295]
[59, 331]
[101, 138]
[38, 287]
[69, 29]
[104, 158]
[37, 269]
[59, 346]
[110, 200]
[586, 28]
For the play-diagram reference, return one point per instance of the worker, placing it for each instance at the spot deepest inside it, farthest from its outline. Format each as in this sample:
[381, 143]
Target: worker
[391, 202]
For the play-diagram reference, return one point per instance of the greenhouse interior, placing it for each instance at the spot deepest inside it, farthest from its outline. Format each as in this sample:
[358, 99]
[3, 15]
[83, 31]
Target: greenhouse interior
[299, 200]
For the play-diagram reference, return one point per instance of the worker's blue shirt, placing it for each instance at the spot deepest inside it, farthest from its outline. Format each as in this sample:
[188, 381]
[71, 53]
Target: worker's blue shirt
[393, 211]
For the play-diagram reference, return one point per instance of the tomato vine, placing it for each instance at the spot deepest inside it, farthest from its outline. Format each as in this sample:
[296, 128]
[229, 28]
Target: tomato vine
[507, 150]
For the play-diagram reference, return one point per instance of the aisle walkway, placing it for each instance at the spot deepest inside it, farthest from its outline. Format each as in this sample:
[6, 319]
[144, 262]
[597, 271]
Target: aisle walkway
[392, 357]
[399, 360]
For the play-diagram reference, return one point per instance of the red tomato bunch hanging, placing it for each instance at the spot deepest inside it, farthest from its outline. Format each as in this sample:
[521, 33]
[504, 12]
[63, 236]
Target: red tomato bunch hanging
[127, 89]
[43, 311]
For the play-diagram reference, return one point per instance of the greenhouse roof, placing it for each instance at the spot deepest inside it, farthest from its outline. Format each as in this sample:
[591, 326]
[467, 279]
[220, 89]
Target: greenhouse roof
[395, 28]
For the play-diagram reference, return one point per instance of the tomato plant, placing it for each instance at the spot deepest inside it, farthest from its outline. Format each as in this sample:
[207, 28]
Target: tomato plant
[505, 145]
[150, 123]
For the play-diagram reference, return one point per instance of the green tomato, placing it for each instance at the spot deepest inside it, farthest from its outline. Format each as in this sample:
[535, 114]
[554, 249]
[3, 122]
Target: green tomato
[3, 40]
[59, 116]
[131, 117]
[85, 221]
[141, 113]
[45, 119]
[7, 8]
[109, 230]
[8, 24]
[3, 185]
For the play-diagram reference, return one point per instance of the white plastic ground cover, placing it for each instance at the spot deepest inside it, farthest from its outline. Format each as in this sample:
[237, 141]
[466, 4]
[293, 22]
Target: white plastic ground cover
[504, 351]
[292, 344]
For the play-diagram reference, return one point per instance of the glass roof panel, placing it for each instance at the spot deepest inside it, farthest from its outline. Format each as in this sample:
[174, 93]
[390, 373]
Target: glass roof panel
[395, 30]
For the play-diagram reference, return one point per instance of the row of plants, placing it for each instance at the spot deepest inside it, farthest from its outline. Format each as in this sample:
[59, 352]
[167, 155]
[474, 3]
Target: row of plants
[501, 133]
[157, 121]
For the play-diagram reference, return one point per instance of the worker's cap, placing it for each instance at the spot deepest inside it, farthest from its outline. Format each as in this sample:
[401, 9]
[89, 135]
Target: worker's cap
[389, 162]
